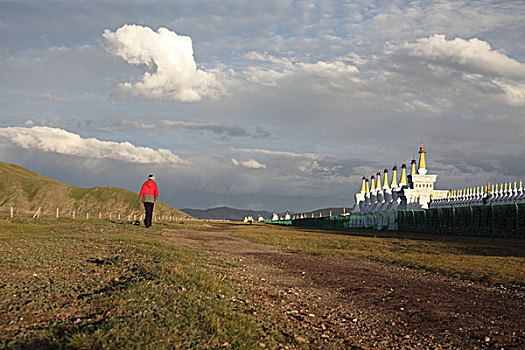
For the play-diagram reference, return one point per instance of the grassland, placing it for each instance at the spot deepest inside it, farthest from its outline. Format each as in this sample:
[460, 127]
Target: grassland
[497, 262]
[101, 284]
[26, 191]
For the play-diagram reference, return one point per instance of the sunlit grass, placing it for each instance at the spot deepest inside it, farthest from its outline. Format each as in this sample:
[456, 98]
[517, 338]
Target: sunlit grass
[102, 284]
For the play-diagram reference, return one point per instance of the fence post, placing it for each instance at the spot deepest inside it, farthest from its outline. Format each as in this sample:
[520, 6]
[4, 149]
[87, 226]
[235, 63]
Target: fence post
[11, 211]
[57, 212]
[73, 214]
[492, 225]
[517, 221]
[471, 221]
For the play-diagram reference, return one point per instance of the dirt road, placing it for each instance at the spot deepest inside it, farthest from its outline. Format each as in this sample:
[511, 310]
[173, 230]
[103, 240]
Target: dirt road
[355, 304]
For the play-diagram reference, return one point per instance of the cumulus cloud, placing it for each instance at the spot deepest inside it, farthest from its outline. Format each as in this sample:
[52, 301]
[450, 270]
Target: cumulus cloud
[470, 67]
[513, 93]
[275, 68]
[63, 142]
[473, 54]
[174, 74]
[250, 163]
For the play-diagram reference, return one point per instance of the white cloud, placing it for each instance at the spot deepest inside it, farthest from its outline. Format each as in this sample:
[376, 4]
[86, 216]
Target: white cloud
[250, 163]
[170, 56]
[278, 68]
[137, 125]
[63, 142]
[328, 69]
[473, 54]
[435, 107]
[513, 93]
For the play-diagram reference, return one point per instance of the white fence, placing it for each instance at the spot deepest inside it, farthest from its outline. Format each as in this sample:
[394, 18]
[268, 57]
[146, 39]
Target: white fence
[134, 215]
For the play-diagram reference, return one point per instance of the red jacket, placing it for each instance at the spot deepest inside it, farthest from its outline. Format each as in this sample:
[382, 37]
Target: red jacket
[149, 188]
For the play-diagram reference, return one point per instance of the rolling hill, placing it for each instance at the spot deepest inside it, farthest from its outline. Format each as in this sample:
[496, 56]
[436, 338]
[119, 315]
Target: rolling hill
[26, 190]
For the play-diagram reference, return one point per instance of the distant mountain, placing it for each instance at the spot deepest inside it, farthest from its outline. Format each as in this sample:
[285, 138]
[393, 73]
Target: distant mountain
[26, 190]
[226, 213]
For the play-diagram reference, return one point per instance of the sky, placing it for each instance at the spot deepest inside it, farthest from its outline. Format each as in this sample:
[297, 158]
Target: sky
[276, 105]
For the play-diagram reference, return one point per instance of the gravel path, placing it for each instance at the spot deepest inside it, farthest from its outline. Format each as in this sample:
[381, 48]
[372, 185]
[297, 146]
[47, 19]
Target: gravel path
[344, 303]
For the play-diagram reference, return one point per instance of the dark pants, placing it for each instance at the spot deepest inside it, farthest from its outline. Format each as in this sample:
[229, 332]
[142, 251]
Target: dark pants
[149, 213]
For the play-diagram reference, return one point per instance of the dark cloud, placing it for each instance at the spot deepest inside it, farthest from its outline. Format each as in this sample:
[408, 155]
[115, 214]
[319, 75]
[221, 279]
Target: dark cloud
[216, 128]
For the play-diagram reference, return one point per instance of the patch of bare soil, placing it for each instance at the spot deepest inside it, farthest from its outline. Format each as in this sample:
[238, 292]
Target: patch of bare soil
[347, 303]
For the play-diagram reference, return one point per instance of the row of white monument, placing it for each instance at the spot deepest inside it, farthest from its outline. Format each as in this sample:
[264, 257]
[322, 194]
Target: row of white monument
[416, 191]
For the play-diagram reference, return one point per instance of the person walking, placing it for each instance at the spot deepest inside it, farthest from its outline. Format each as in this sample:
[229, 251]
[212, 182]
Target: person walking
[148, 195]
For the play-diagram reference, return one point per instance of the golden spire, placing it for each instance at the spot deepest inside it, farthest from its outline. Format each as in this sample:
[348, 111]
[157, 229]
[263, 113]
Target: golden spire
[413, 170]
[394, 177]
[372, 183]
[363, 187]
[422, 166]
[385, 180]
[403, 180]
[378, 180]
[367, 189]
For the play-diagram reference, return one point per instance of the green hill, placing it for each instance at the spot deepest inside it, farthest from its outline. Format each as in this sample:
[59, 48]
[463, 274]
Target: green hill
[26, 190]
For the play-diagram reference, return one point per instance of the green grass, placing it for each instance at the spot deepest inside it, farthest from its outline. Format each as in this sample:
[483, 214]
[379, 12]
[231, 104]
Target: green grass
[101, 284]
[26, 190]
[480, 259]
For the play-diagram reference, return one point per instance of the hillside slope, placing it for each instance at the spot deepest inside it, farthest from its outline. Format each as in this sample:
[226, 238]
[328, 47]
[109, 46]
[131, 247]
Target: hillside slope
[26, 190]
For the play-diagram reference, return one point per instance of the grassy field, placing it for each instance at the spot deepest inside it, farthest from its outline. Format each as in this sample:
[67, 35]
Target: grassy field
[480, 259]
[100, 284]
[26, 191]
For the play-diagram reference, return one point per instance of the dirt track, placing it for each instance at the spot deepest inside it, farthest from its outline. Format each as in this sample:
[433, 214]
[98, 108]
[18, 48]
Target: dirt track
[356, 304]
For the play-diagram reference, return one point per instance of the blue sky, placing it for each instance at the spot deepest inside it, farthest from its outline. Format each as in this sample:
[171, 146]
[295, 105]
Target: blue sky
[277, 105]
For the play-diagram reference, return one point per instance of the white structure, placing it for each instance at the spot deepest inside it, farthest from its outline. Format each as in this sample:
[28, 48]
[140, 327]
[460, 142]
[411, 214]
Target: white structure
[503, 193]
[414, 191]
